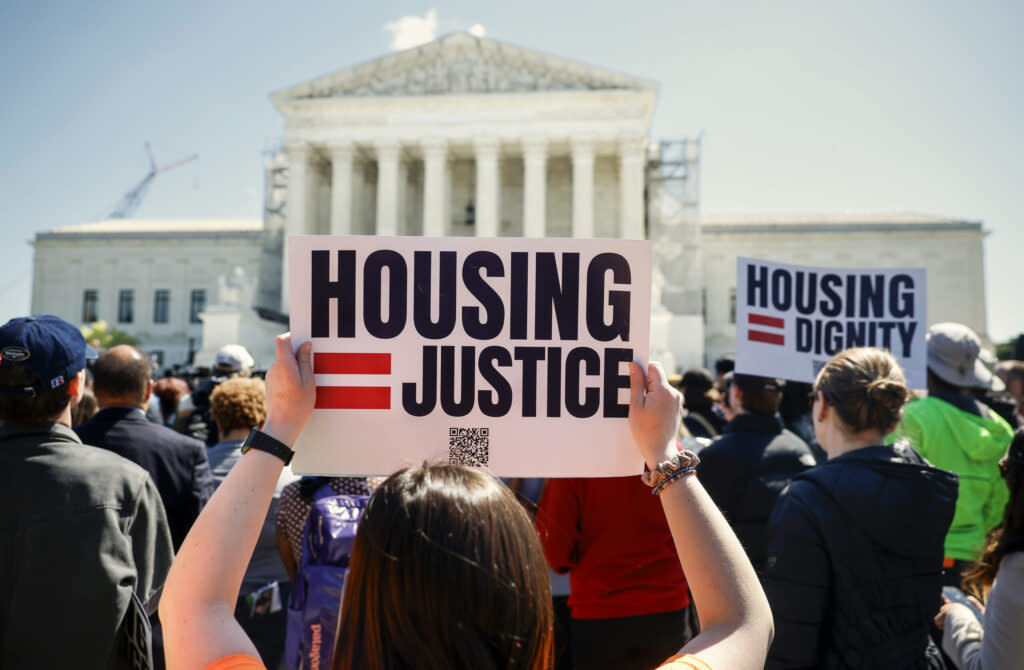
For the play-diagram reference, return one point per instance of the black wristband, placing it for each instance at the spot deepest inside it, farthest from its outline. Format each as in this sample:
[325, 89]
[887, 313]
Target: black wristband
[259, 440]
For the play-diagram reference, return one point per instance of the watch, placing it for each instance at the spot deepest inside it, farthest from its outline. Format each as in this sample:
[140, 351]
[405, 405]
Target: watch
[259, 440]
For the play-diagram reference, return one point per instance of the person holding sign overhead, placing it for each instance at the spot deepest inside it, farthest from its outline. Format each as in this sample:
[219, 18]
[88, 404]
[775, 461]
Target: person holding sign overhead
[854, 565]
[447, 570]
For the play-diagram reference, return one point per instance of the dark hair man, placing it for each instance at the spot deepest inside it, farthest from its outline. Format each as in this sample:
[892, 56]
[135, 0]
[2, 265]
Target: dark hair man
[699, 398]
[177, 463]
[85, 540]
[745, 470]
[956, 432]
[725, 364]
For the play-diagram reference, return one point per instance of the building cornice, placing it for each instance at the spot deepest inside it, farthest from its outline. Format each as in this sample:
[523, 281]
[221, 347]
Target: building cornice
[832, 228]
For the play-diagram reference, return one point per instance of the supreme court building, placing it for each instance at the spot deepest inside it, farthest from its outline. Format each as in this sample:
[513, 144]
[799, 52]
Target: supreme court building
[471, 136]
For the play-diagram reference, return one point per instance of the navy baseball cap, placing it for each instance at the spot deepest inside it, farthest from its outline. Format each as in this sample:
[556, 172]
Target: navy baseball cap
[46, 345]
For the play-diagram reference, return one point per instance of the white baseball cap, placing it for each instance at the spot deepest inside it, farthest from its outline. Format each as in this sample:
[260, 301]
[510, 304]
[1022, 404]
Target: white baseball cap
[233, 357]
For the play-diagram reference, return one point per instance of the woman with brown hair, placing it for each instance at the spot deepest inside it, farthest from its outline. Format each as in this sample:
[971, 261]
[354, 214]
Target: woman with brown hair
[447, 571]
[855, 545]
[997, 579]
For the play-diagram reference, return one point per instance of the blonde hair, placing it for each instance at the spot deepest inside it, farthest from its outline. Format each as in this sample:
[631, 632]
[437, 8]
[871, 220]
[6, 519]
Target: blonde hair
[866, 387]
[239, 402]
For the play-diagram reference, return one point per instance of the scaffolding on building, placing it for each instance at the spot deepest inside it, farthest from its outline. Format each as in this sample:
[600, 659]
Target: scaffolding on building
[672, 196]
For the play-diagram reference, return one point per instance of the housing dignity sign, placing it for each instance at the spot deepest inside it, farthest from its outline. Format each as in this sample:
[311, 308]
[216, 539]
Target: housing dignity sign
[791, 319]
[506, 353]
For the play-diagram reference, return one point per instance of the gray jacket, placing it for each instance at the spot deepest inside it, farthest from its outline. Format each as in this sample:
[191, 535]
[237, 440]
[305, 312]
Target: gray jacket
[80, 529]
[1000, 645]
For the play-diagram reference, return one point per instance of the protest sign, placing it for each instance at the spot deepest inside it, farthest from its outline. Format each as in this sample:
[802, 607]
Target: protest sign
[791, 319]
[505, 353]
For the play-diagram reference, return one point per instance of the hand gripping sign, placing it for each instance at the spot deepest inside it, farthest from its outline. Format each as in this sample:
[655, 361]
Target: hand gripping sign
[791, 319]
[506, 353]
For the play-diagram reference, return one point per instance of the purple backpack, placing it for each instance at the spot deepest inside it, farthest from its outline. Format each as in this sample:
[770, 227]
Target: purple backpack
[316, 597]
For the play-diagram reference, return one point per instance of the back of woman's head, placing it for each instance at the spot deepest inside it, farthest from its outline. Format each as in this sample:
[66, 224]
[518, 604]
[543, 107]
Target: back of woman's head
[1009, 537]
[447, 571]
[866, 387]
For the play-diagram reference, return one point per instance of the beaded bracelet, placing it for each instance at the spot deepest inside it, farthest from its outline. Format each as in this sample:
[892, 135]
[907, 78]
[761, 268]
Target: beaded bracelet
[689, 470]
[679, 461]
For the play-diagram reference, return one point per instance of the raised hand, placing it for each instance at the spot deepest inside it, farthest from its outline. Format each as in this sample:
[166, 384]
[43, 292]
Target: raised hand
[655, 410]
[291, 390]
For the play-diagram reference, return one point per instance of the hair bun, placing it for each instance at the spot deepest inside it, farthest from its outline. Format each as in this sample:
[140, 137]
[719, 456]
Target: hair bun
[889, 393]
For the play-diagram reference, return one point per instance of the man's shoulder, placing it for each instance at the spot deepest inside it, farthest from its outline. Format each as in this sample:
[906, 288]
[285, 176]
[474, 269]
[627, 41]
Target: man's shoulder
[68, 474]
[171, 436]
[928, 404]
[136, 425]
[92, 461]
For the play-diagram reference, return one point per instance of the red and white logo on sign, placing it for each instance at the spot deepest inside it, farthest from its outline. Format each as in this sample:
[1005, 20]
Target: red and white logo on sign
[777, 337]
[352, 397]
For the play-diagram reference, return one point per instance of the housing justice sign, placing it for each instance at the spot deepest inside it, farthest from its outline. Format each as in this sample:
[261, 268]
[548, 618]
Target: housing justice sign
[791, 319]
[505, 353]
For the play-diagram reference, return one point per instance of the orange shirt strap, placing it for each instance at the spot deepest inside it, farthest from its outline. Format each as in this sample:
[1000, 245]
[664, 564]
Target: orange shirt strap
[237, 662]
[684, 662]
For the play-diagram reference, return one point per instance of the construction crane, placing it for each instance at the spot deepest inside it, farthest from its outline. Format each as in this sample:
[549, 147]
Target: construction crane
[133, 198]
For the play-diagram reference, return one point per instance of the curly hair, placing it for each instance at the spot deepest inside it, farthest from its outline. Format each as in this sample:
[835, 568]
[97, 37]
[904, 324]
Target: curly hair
[239, 402]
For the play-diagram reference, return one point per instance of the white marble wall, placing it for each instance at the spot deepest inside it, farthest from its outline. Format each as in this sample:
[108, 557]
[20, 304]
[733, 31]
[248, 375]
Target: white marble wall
[67, 265]
[953, 259]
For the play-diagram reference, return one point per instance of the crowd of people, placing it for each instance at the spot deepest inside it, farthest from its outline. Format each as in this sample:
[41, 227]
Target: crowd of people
[846, 523]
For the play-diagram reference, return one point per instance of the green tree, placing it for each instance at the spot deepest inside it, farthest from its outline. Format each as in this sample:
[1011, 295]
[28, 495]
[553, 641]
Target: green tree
[1005, 351]
[102, 335]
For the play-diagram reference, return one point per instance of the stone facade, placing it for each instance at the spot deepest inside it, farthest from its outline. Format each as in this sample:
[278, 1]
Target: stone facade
[949, 249]
[84, 273]
[470, 136]
[464, 136]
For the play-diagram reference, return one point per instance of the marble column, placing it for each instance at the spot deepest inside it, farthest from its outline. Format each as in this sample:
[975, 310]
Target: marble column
[295, 223]
[535, 186]
[435, 164]
[487, 185]
[632, 164]
[387, 186]
[341, 187]
[582, 187]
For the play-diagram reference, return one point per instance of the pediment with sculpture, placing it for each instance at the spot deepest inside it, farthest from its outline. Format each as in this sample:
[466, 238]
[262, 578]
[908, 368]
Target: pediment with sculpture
[462, 64]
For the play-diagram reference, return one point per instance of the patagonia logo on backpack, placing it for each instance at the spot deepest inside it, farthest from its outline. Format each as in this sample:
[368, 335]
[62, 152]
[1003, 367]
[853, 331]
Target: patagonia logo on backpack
[316, 598]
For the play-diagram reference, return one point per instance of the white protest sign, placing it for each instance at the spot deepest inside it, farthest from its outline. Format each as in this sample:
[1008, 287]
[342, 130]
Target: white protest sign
[791, 319]
[505, 353]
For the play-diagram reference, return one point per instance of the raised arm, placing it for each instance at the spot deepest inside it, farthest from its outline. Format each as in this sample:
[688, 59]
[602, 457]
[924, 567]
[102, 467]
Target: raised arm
[197, 607]
[736, 622]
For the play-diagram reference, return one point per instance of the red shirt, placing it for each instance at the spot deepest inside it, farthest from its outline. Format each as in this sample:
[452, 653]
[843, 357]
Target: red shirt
[611, 536]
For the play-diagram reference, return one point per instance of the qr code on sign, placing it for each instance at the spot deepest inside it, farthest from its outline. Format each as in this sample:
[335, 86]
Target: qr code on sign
[468, 446]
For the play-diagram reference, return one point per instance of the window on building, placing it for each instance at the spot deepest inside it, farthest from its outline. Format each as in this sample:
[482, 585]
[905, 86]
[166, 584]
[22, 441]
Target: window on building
[125, 305]
[197, 304]
[90, 305]
[157, 356]
[161, 306]
[732, 305]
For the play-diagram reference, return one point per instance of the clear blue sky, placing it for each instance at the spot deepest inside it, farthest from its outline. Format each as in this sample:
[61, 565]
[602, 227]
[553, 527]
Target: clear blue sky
[805, 106]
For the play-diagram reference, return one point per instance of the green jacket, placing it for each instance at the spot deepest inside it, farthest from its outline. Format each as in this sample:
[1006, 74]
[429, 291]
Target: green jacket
[959, 434]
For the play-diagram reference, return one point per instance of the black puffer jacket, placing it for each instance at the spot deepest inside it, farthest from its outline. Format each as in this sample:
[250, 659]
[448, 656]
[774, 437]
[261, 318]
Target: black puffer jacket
[854, 569]
[745, 470]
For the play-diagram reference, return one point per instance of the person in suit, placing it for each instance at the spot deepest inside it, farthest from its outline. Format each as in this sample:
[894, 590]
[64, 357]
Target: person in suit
[177, 463]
